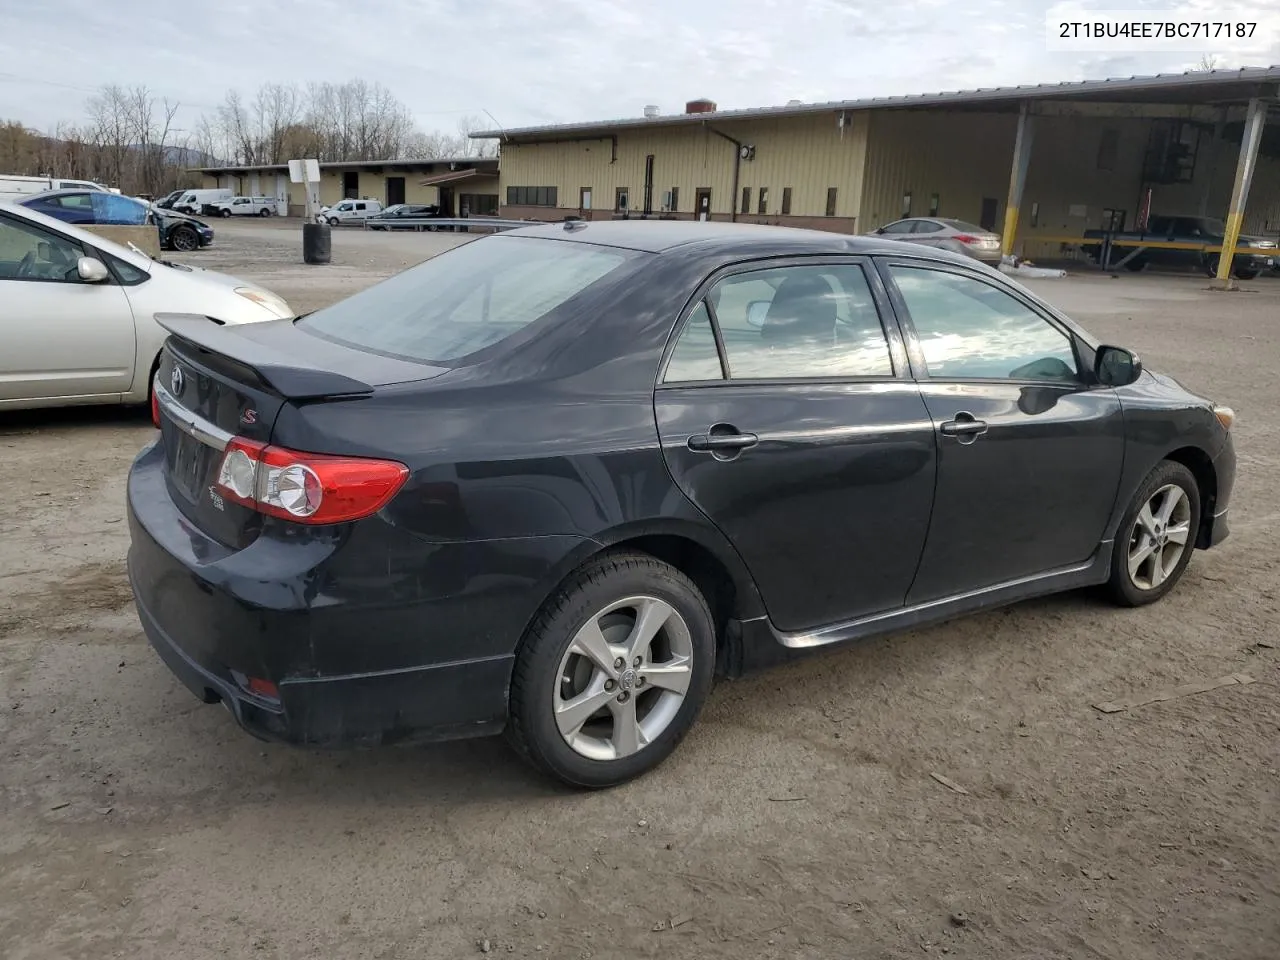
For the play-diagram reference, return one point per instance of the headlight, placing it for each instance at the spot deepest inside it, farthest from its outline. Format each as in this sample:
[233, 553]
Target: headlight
[268, 301]
[1226, 416]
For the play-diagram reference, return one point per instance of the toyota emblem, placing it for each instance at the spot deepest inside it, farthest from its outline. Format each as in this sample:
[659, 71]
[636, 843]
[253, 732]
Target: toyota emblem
[177, 381]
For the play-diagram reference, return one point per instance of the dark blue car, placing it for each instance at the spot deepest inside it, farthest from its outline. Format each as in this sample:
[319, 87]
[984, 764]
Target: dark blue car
[86, 207]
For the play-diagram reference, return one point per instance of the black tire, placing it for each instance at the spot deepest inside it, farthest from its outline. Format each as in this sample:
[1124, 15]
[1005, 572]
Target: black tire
[264, 212]
[1121, 585]
[1210, 264]
[224, 212]
[1136, 265]
[1245, 273]
[333, 221]
[604, 580]
[184, 239]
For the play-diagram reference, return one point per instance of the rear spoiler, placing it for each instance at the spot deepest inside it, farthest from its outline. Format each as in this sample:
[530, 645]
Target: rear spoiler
[286, 375]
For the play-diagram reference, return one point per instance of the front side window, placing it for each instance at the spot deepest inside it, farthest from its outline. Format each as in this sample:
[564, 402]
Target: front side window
[801, 321]
[969, 329]
[30, 253]
[466, 299]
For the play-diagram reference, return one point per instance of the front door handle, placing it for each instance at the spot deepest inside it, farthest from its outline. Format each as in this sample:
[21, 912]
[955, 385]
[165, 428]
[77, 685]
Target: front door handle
[722, 441]
[965, 427]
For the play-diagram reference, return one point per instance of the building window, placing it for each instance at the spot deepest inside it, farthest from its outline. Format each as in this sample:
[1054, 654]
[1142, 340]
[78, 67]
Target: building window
[831, 201]
[786, 200]
[621, 199]
[531, 196]
[906, 205]
[1035, 214]
[673, 199]
[934, 203]
[762, 206]
[1108, 148]
[746, 199]
[479, 204]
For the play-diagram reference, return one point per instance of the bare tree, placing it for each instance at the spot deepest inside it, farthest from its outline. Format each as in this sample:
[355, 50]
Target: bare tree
[468, 147]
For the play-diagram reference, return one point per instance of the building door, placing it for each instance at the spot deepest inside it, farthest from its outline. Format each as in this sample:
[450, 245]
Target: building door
[990, 207]
[702, 203]
[282, 195]
[446, 201]
[395, 190]
[584, 201]
[350, 185]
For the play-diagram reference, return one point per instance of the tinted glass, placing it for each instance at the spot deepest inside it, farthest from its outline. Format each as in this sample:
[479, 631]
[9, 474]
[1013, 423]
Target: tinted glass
[902, 226]
[801, 322]
[115, 209]
[467, 298]
[970, 329]
[29, 253]
[695, 356]
[928, 226]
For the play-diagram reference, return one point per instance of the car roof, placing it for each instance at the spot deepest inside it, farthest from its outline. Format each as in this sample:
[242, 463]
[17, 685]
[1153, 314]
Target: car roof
[66, 191]
[749, 239]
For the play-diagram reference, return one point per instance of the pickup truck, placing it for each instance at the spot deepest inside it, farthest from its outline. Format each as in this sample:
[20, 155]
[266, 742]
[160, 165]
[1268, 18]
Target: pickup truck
[1183, 242]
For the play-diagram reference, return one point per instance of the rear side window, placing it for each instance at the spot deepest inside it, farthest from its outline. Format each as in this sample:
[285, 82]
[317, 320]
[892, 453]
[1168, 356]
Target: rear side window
[466, 299]
[785, 323]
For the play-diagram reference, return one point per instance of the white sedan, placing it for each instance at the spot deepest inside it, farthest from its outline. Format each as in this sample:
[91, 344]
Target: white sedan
[77, 312]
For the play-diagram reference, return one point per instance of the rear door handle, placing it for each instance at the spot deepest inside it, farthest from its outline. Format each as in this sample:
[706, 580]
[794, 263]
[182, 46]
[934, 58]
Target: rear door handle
[722, 441]
[965, 427]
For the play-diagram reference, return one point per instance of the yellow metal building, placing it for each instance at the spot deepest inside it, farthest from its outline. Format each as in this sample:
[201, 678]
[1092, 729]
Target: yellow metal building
[459, 184]
[1091, 150]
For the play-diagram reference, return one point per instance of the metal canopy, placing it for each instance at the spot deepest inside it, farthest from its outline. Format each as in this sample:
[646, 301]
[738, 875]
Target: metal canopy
[1196, 88]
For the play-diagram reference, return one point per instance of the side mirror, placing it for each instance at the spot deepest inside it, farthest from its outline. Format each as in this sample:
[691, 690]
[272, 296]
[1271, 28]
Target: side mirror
[1116, 366]
[92, 270]
[757, 310]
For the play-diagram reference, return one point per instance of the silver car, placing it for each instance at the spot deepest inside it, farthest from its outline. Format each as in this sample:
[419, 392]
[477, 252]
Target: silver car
[77, 312]
[945, 234]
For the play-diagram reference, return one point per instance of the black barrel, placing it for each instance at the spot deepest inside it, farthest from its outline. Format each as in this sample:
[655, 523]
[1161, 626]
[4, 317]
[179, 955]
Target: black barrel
[317, 242]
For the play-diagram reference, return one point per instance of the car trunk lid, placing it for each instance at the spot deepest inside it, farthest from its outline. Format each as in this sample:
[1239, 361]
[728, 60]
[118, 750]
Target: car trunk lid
[217, 383]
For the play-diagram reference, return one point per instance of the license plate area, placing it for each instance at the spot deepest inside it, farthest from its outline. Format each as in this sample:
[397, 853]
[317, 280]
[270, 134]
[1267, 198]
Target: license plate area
[188, 461]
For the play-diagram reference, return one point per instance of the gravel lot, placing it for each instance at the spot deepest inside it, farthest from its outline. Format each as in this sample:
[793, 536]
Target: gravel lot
[799, 819]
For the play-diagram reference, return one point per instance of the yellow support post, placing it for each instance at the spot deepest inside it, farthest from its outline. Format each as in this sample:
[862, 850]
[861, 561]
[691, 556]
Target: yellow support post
[1017, 178]
[1248, 162]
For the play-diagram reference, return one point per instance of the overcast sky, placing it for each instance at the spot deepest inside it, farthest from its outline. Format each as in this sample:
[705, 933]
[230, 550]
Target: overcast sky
[539, 61]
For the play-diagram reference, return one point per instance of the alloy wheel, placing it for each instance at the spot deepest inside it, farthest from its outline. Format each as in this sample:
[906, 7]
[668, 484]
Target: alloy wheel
[623, 678]
[1159, 537]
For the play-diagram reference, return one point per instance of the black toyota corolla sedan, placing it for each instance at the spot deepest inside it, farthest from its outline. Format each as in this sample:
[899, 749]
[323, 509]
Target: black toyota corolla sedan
[554, 481]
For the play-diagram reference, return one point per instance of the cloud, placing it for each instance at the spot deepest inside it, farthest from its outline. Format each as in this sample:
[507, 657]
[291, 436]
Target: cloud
[529, 61]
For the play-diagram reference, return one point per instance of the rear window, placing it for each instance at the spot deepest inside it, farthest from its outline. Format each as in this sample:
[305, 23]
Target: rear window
[466, 299]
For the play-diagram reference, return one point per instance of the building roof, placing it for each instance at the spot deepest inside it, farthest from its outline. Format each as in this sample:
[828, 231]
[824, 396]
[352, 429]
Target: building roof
[414, 163]
[453, 176]
[1199, 86]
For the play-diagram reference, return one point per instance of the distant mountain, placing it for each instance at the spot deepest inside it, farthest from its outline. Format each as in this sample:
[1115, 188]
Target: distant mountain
[186, 157]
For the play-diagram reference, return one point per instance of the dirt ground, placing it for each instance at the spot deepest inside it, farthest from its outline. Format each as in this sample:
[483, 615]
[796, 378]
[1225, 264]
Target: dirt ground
[800, 817]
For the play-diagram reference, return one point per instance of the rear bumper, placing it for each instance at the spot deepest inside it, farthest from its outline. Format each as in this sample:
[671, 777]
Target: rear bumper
[370, 635]
[431, 703]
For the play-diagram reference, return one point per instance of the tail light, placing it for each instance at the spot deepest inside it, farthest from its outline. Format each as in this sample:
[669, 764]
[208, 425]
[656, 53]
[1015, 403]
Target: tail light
[966, 238]
[155, 409]
[306, 487]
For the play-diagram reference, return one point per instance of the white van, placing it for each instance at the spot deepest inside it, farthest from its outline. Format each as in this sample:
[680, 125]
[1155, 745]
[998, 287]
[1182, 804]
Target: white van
[193, 201]
[14, 188]
[349, 211]
[245, 207]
